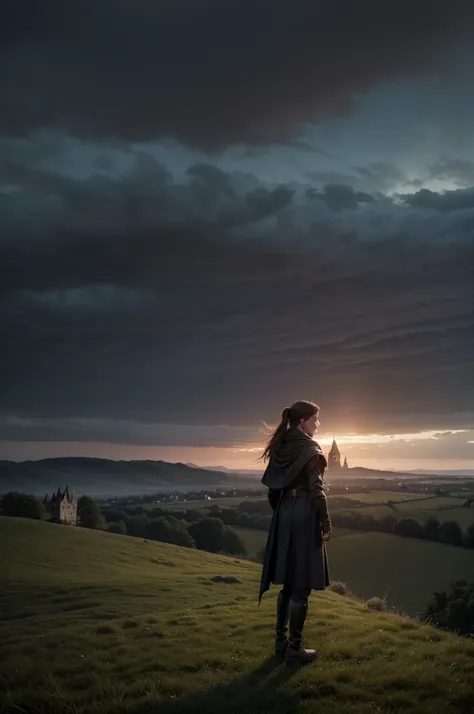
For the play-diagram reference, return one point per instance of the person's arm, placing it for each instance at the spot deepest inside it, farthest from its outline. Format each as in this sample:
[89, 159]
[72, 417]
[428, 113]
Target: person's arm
[273, 497]
[317, 495]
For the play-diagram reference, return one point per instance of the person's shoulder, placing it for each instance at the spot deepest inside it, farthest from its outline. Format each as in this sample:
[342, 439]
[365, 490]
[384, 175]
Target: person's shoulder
[317, 455]
[318, 448]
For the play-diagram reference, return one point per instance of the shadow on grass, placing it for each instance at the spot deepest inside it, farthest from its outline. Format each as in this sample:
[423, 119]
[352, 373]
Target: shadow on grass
[258, 690]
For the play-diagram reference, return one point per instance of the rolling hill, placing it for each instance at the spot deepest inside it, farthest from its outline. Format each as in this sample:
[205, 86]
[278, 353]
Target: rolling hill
[105, 477]
[96, 622]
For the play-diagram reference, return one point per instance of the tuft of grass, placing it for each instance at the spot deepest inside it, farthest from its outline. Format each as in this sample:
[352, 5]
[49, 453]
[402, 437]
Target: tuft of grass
[338, 587]
[201, 646]
[376, 603]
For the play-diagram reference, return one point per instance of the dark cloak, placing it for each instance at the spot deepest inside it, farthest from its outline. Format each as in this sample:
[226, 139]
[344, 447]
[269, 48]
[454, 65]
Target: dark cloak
[295, 551]
[288, 460]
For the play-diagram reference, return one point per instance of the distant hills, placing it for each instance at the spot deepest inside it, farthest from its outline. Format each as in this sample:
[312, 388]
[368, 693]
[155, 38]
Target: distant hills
[224, 469]
[105, 477]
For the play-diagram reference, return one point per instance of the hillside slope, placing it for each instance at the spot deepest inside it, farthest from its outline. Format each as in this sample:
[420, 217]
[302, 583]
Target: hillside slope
[95, 622]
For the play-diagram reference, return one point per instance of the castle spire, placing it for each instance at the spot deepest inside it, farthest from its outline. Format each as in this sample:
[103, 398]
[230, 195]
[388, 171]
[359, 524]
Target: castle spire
[334, 456]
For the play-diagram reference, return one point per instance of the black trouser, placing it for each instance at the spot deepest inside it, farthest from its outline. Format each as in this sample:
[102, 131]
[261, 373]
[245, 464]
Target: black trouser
[297, 594]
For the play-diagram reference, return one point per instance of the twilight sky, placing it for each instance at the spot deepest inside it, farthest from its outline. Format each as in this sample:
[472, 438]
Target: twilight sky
[211, 209]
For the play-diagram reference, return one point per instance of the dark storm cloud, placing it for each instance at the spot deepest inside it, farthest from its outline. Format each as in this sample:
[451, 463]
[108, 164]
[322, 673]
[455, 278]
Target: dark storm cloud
[339, 197]
[446, 202]
[123, 432]
[218, 299]
[377, 177]
[209, 74]
[458, 170]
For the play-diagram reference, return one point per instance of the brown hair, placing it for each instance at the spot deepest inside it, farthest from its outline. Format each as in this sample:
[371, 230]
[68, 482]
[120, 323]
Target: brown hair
[290, 416]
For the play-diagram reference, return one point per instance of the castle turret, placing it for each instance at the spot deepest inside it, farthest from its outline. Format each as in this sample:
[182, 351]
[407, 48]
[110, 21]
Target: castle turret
[346, 465]
[334, 456]
[63, 506]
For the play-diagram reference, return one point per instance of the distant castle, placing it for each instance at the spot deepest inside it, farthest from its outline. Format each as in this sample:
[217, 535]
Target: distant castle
[334, 459]
[62, 506]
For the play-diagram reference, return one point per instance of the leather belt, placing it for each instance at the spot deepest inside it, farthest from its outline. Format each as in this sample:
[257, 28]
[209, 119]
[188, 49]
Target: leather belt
[295, 492]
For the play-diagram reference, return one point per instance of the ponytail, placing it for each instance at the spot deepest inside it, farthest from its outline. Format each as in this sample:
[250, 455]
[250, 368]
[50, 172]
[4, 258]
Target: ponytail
[290, 417]
[277, 435]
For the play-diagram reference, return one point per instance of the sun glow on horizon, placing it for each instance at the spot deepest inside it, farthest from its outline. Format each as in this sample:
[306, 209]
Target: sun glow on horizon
[358, 439]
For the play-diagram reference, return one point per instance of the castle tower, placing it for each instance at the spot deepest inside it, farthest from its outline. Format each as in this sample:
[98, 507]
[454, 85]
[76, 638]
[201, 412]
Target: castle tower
[63, 506]
[334, 457]
[346, 465]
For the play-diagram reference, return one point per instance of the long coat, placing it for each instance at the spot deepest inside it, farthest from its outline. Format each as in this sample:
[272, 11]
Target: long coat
[295, 552]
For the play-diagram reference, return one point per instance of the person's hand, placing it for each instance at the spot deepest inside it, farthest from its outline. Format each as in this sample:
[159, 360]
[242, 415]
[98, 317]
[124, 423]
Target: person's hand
[326, 536]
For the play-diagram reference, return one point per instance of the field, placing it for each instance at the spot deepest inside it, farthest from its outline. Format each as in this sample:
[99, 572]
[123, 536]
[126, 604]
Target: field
[413, 505]
[367, 497]
[384, 496]
[408, 571]
[436, 502]
[201, 505]
[100, 623]
[444, 508]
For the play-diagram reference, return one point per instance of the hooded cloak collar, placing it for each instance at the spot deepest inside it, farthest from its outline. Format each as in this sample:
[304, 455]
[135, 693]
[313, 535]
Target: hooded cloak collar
[295, 450]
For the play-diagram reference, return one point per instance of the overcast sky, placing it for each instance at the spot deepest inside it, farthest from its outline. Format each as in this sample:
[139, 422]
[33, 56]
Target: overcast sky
[209, 210]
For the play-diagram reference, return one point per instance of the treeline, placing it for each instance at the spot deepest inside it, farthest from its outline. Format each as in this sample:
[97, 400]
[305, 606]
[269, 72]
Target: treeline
[449, 532]
[249, 514]
[189, 528]
[25, 505]
[254, 514]
[195, 531]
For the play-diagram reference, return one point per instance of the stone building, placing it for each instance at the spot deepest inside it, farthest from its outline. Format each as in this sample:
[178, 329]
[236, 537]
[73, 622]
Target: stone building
[335, 458]
[62, 506]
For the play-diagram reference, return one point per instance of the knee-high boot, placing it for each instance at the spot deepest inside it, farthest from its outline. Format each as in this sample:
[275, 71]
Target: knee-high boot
[281, 641]
[295, 652]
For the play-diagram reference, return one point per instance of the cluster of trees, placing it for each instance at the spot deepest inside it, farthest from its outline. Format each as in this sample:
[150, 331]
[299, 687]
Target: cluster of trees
[449, 532]
[23, 505]
[453, 609]
[186, 528]
[189, 529]
[254, 514]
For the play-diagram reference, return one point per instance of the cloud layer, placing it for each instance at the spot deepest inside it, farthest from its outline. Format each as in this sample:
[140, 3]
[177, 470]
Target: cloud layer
[209, 74]
[218, 300]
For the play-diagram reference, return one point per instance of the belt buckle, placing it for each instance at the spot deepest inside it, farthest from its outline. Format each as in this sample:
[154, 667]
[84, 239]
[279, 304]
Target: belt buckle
[293, 492]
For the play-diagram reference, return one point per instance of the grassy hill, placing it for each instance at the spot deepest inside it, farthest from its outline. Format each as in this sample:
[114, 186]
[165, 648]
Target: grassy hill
[95, 622]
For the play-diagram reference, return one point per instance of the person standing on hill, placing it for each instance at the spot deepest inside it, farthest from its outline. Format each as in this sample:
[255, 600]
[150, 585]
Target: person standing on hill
[295, 554]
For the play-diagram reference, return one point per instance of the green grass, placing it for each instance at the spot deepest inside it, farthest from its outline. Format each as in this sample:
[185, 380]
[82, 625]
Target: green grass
[253, 539]
[406, 569]
[464, 516]
[376, 511]
[438, 502]
[99, 623]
